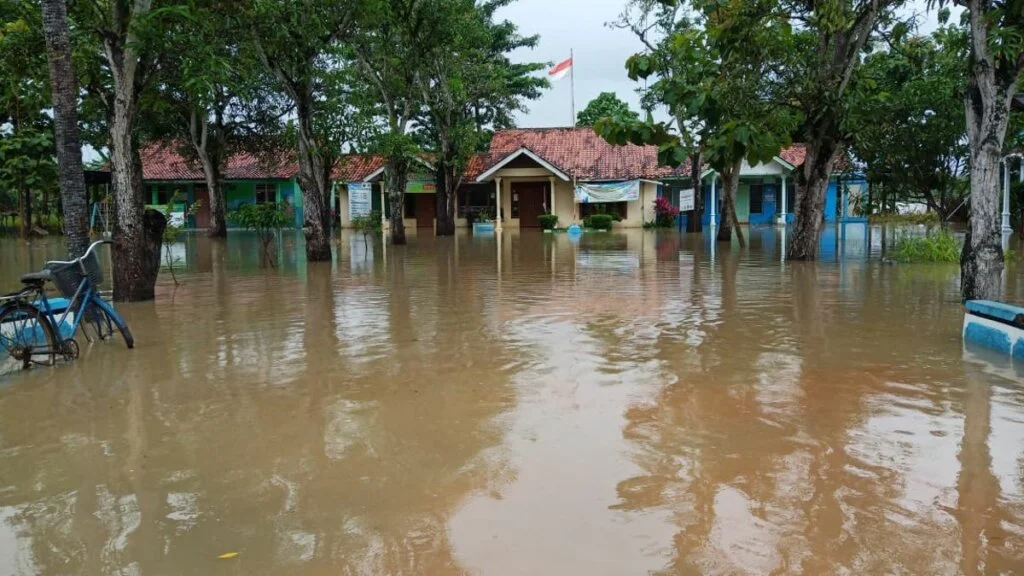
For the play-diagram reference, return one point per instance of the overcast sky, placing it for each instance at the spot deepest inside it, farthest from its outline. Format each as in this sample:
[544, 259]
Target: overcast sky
[600, 52]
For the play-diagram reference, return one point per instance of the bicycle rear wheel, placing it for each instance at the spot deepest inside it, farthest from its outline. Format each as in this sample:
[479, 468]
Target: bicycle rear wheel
[27, 336]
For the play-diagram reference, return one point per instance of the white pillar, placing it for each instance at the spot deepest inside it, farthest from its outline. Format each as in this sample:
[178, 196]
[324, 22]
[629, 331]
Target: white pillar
[714, 200]
[497, 204]
[1006, 196]
[551, 188]
[842, 198]
[782, 216]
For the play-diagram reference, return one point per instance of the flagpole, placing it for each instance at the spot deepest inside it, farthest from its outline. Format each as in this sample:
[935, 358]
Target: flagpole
[572, 86]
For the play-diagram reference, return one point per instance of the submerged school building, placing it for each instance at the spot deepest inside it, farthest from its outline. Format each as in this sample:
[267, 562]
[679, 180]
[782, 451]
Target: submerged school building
[568, 172]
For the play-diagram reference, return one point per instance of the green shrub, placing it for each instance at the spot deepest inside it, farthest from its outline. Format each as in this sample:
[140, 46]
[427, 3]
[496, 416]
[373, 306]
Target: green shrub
[598, 221]
[265, 219]
[927, 218]
[939, 246]
[548, 221]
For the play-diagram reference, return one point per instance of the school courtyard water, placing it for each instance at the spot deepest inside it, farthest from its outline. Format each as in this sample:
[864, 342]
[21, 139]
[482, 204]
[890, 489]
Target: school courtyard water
[631, 403]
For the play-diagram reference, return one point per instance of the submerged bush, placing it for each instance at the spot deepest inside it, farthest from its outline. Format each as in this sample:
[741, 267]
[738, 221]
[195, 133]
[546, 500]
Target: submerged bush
[548, 221]
[938, 246]
[926, 218]
[598, 221]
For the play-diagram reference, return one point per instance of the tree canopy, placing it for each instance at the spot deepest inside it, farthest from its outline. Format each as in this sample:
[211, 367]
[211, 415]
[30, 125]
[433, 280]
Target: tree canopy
[605, 105]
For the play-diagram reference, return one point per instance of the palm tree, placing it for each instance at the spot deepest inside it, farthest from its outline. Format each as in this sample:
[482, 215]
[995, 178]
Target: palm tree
[65, 120]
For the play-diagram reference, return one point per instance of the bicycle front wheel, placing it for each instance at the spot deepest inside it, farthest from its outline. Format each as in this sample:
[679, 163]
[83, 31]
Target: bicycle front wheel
[27, 336]
[103, 318]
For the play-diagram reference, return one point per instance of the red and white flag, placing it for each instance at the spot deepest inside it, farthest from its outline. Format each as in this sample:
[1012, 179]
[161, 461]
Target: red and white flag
[560, 70]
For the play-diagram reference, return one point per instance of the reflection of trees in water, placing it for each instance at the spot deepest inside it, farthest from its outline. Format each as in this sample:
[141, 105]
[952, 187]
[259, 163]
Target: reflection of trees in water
[340, 469]
[776, 456]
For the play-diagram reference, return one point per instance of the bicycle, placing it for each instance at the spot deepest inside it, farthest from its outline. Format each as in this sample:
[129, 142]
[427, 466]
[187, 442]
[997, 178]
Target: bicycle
[31, 331]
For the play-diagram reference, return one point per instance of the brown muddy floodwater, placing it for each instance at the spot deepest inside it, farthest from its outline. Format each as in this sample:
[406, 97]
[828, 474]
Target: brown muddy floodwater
[628, 404]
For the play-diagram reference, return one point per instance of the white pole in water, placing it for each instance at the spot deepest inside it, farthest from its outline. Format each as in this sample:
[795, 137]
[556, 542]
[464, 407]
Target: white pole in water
[1006, 196]
[714, 200]
[497, 204]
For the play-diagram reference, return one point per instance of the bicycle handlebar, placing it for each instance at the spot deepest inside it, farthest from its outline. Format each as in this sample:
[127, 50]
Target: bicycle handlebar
[83, 256]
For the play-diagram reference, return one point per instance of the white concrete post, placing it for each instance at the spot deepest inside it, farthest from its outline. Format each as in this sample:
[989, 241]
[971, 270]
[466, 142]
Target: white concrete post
[714, 200]
[497, 203]
[551, 195]
[1006, 196]
[782, 217]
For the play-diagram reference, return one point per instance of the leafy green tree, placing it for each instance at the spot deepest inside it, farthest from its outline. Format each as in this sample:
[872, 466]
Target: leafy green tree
[656, 24]
[27, 166]
[392, 37]
[907, 123]
[727, 99]
[213, 96]
[813, 50]
[994, 64]
[301, 44]
[606, 105]
[24, 96]
[126, 37]
[469, 89]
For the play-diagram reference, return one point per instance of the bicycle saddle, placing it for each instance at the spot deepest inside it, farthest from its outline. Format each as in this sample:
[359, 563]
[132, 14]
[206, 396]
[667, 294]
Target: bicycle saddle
[36, 277]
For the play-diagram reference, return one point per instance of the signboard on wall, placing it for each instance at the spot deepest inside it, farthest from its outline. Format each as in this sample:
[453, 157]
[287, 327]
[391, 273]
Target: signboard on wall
[360, 199]
[687, 202]
[420, 186]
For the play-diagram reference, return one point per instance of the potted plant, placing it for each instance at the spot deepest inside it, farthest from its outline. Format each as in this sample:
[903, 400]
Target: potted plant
[484, 223]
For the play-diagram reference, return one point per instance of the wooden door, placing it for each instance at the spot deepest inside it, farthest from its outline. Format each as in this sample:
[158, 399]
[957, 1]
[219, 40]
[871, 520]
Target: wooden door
[202, 215]
[426, 207]
[531, 197]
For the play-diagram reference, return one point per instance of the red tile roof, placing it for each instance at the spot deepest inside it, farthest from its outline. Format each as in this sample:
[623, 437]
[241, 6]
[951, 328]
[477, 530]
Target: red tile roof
[353, 167]
[164, 162]
[581, 153]
[795, 154]
[578, 152]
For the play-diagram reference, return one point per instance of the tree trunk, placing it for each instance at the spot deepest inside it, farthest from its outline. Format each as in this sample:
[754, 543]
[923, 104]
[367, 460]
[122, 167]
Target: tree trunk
[447, 192]
[135, 260]
[199, 133]
[730, 184]
[314, 178]
[131, 277]
[396, 173]
[74, 197]
[26, 209]
[987, 103]
[694, 222]
[810, 199]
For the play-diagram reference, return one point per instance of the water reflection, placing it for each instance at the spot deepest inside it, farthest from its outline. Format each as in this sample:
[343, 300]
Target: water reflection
[523, 404]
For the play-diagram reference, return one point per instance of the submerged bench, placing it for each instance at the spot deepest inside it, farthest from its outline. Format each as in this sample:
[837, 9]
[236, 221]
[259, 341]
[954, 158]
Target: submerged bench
[995, 325]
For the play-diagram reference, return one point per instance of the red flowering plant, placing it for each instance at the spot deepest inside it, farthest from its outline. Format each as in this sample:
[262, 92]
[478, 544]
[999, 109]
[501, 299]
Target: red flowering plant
[665, 213]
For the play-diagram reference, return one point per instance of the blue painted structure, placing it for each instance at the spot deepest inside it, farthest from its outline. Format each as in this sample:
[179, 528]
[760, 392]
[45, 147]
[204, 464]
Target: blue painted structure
[770, 206]
[483, 227]
[995, 325]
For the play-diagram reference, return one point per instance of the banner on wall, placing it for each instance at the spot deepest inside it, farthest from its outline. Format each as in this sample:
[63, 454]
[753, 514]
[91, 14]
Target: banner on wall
[360, 199]
[587, 192]
[687, 202]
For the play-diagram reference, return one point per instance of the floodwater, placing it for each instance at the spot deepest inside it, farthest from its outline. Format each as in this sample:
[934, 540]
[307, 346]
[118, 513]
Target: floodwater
[633, 403]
